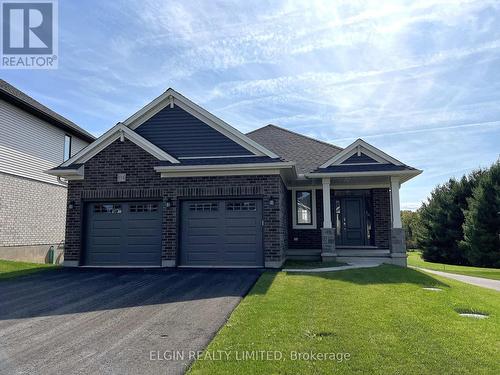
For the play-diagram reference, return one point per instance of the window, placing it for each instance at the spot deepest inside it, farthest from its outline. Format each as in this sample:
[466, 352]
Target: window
[304, 207]
[304, 210]
[108, 208]
[241, 206]
[143, 207]
[205, 206]
[67, 147]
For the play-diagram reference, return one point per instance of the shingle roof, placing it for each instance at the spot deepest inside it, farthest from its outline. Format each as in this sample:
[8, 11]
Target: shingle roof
[27, 103]
[308, 153]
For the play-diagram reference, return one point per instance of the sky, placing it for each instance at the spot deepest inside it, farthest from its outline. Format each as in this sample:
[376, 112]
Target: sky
[419, 79]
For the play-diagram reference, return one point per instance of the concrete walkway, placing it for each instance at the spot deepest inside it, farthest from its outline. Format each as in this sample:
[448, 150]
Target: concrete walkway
[478, 281]
[331, 269]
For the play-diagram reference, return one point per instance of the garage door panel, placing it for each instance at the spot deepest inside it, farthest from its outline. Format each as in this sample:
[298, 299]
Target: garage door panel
[240, 239]
[230, 234]
[202, 240]
[123, 233]
[106, 241]
[104, 258]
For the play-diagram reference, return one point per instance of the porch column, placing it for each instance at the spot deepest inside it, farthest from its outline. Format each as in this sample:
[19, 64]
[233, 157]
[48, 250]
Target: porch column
[327, 232]
[395, 206]
[398, 244]
[327, 208]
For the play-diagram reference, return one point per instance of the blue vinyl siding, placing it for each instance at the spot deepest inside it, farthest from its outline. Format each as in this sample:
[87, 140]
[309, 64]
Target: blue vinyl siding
[355, 159]
[182, 135]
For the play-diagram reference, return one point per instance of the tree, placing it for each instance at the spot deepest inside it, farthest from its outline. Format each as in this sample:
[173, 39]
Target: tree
[481, 243]
[411, 222]
[442, 219]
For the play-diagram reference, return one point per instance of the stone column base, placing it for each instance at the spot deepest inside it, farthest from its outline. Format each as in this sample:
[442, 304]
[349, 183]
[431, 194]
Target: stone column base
[399, 260]
[398, 247]
[328, 244]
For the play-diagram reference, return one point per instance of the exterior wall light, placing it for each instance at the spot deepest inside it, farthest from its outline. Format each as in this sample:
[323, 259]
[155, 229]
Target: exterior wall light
[71, 205]
[271, 201]
[168, 202]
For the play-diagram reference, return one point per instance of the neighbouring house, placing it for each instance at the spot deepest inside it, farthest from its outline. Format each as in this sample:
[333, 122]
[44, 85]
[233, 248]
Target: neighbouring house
[173, 185]
[33, 139]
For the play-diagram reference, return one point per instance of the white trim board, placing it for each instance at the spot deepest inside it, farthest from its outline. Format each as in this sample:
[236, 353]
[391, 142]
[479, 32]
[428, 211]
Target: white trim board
[118, 131]
[172, 97]
[223, 169]
[371, 151]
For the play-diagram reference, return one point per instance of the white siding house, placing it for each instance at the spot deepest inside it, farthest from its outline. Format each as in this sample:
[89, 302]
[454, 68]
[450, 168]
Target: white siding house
[33, 139]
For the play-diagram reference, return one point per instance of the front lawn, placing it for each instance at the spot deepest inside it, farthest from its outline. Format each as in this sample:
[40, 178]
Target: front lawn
[415, 259]
[9, 268]
[380, 318]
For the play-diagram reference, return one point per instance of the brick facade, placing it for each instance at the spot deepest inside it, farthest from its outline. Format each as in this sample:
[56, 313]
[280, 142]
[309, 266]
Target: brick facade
[31, 212]
[382, 217]
[143, 182]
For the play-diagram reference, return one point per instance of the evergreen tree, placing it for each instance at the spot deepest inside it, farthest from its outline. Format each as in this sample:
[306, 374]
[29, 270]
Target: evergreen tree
[481, 244]
[442, 219]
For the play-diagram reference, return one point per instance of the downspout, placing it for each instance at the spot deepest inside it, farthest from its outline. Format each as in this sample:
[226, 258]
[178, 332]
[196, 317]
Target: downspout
[60, 180]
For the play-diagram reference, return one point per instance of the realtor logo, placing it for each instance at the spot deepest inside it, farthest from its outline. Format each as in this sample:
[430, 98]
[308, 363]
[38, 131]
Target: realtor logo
[29, 34]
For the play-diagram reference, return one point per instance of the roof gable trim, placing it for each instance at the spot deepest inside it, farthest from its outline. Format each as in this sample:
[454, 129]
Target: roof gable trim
[119, 131]
[172, 97]
[357, 147]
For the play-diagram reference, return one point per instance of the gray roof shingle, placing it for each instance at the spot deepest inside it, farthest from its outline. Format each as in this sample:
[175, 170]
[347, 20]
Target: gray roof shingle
[308, 153]
[27, 103]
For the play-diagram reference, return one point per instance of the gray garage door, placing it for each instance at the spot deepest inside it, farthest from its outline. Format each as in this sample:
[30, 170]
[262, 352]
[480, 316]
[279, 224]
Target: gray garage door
[221, 233]
[123, 234]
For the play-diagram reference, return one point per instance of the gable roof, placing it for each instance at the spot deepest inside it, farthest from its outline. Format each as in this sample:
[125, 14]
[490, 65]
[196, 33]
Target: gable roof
[357, 147]
[184, 136]
[171, 98]
[119, 131]
[21, 100]
[308, 153]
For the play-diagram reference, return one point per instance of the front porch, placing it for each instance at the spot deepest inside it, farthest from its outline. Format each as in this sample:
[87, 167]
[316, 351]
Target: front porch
[350, 220]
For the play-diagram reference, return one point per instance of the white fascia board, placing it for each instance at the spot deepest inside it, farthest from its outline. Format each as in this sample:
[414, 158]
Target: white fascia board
[212, 173]
[408, 173]
[225, 167]
[352, 148]
[112, 135]
[171, 96]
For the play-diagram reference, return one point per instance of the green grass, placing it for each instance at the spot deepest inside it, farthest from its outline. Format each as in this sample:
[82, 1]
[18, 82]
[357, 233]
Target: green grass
[415, 259]
[10, 269]
[380, 316]
[311, 264]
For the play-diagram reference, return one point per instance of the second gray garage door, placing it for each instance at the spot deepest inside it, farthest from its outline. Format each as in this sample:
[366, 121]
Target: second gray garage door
[123, 234]
[221, 233]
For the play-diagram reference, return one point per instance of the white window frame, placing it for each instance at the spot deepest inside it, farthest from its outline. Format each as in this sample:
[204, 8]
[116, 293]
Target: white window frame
[313, 224]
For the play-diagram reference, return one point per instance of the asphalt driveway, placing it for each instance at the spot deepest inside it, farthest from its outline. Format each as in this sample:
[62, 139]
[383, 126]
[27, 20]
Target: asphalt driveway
[88, 321]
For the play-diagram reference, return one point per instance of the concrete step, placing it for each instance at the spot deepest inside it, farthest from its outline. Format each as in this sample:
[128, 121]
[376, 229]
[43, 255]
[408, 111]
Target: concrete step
[304, 254]
[363, 253]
